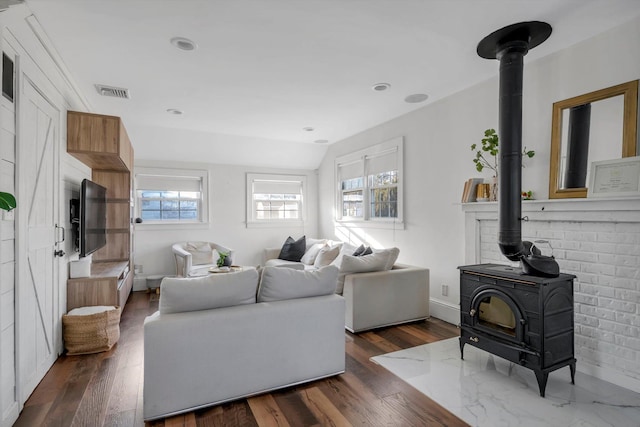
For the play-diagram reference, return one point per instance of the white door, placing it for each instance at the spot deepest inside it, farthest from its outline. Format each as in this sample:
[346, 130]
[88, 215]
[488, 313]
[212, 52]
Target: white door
[37, 296]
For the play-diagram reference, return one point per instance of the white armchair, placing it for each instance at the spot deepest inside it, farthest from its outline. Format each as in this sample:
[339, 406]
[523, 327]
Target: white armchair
[196, 255]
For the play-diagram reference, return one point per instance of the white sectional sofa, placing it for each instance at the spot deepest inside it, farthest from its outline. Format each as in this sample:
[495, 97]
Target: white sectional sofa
[213, 340]
[385, 298]
[389, 295]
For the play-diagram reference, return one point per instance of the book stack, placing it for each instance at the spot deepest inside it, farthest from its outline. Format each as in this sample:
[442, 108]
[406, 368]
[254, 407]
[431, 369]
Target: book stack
[470, 188]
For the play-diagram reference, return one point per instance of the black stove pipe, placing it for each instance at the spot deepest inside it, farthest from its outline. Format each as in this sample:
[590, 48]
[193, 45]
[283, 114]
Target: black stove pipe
[510, 125]
[509, 45]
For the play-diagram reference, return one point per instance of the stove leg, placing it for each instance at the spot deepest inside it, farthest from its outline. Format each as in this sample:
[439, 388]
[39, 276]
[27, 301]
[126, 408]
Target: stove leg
[542, 381]
[461, 348]
[572, 366]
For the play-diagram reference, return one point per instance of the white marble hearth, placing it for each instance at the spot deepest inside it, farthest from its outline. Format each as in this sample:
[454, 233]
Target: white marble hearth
[486, 390]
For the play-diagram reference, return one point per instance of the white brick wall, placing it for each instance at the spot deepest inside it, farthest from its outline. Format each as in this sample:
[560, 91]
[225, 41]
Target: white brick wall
[604, 255]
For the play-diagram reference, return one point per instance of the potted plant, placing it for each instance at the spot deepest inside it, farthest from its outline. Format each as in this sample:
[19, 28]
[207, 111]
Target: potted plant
[487, 156]
[224, 260]
[7, 201]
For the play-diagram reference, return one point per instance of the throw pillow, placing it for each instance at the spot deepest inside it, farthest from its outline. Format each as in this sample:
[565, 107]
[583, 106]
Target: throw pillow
[367, 251]
[359, 250]
[293, 250]
[181, 294]
[392, 253]
[345, 249]
[326, 256]
[362, 264]
[310, 255]
[311, 242]
[201, 253]
[279, 284]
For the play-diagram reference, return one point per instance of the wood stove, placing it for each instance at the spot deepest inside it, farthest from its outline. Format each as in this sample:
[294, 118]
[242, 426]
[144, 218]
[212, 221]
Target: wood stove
[523, 319]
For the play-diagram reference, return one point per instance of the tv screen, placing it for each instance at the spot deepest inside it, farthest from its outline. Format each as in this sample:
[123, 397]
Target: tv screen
[93, 217]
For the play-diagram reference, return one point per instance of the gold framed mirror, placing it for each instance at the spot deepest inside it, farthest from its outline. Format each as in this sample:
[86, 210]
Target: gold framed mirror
[600, 125]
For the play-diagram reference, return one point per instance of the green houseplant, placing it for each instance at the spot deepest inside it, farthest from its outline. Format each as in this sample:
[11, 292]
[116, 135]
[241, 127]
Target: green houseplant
[7, 201]
[487, 157]
[487, 154]
[223, 259]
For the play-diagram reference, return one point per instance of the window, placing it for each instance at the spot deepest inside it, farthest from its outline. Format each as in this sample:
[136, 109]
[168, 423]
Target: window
[370, 184]
[171, 196]
[273, 199]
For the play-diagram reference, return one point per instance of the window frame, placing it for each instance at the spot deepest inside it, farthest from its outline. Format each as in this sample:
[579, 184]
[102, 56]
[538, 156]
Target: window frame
[362, 158]
[251, 216]
[164, 173]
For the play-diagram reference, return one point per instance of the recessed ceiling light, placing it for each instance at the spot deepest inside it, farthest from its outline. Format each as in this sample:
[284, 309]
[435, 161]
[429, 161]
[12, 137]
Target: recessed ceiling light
[416, 97]
[307, 129]
[321, 141]
[183, 43]
[175, 111]
[379, 87]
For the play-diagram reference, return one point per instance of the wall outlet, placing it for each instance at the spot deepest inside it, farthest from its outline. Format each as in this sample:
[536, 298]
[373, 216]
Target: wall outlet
[445, 290]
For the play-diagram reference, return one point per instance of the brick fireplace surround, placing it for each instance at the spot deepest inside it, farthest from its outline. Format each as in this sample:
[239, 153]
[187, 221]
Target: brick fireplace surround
[598, 240]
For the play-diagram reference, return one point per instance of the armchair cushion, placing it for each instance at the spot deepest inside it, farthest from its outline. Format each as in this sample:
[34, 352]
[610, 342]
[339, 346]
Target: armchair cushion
[286, 283]
[201, 253]
[204, 293]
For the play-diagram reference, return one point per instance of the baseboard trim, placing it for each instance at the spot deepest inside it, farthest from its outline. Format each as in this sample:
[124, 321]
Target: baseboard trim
[446, 311]
[607, 374]
[10, 416]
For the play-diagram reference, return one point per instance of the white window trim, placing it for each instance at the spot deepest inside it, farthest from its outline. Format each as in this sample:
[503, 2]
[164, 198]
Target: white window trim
[165, 172]
[252, 222]
[395, 144]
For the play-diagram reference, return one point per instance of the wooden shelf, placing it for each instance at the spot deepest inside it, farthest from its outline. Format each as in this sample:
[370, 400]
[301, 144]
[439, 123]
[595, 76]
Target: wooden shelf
[101, 142]
[109, 284]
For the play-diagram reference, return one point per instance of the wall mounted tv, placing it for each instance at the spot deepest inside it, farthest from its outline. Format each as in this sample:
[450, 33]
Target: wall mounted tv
[89, 218]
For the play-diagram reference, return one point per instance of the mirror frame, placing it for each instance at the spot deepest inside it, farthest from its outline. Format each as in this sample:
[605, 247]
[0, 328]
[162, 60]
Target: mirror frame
[629, 91]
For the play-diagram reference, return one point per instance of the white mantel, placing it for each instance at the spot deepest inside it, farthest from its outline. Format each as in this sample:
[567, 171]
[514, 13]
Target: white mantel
[597, 240]
[580, 210]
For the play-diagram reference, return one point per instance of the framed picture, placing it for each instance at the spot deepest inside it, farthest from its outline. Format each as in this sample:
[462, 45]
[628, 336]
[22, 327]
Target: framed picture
[615, 178]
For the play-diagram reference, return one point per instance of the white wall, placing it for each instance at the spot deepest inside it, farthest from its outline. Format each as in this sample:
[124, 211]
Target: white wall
[438, 158]
[20, 33]
[227, 213]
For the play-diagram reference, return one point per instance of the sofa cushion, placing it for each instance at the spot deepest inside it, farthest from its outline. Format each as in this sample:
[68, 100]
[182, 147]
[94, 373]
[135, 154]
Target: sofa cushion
[279, 284]
[284, 263]
[345, 249]
[310, 255]
[326, 256]
[392, 254]
[293, 250]
[360, 264]
[204, 293]
[201, 253]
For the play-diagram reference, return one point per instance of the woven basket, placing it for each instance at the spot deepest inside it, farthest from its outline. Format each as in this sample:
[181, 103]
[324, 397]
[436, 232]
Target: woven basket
[91, 333]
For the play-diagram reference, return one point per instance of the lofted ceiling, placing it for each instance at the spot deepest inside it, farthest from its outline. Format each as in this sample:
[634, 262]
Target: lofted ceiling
[264, 70]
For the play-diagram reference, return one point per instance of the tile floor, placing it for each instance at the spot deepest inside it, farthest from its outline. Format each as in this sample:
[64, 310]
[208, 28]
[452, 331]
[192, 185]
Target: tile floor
[486, 390]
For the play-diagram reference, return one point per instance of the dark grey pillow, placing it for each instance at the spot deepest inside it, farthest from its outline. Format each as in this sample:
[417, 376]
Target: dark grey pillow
[293, 250]
[362, 251]
[358, 251]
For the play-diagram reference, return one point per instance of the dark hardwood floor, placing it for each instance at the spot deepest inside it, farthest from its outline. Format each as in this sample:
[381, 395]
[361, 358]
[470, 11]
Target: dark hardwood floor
[105, 389]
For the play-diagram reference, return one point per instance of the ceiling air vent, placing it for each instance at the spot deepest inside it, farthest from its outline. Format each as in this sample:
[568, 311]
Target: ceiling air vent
[117, 92]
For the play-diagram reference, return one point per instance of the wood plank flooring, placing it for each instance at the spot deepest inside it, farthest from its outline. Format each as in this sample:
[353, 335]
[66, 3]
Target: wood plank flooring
[105, 389]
